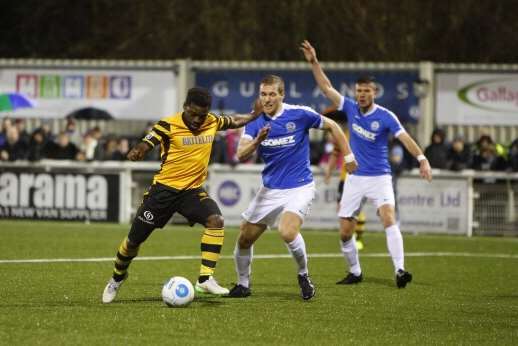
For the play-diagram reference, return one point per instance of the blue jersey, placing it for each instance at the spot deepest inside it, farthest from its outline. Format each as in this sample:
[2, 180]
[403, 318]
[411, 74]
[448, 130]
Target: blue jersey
[285, 151]
[368, 136]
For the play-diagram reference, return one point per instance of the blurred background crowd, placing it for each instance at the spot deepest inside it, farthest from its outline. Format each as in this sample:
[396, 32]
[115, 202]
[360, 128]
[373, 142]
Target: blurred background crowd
[455, 154]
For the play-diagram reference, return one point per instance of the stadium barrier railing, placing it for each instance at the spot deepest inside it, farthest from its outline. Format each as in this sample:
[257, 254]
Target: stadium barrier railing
[464, 203]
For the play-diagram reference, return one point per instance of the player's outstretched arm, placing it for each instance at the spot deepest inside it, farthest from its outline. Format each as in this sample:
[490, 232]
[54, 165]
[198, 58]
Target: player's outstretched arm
[240, 120]
[138, 152]
[350, 162]
[323, 82]
[424, 166]
[247, 147]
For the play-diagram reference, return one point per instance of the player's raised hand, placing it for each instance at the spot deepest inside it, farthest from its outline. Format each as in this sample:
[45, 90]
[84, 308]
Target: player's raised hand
[258, 108]
[309, 52]
[425, 170]
[263, 133]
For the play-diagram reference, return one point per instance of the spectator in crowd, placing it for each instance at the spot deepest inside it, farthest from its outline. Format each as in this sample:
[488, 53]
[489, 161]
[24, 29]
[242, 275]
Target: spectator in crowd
[62, 149]
[22, 131]
[90, 147]
[489, 156]
[47, 131]
[109, 150]
[73, 132]
[437, 151]
[6, 123]
[13, 148]
[122, 150]
[459, 155]
[513, 156]
[37, 146]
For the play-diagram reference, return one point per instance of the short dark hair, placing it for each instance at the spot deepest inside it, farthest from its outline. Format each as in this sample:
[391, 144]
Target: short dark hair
[366, 80]
[198, 96]
[273, 79]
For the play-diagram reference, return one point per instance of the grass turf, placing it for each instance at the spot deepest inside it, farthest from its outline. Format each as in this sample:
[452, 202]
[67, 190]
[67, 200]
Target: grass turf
[452, 300]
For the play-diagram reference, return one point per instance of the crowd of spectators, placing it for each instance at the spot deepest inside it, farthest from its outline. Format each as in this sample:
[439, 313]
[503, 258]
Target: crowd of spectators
[483, 155]
[16, 143]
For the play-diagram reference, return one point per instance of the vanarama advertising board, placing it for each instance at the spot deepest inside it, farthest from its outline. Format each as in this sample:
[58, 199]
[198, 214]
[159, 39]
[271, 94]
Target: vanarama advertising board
[59, 196]
[477, 99]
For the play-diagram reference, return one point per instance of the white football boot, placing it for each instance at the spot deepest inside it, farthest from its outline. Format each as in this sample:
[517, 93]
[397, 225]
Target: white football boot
[111, 289]
[210, 286]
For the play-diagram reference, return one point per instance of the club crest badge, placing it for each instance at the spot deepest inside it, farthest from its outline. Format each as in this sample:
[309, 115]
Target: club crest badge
[290, 126]
[375, 125]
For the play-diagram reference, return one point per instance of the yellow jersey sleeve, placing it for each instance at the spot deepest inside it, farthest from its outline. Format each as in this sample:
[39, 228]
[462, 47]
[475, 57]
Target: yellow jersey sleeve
[224, 122]
[160, 130]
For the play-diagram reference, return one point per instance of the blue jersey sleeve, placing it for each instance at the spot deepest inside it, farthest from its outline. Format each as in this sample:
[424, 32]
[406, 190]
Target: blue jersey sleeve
[314, 120]
[251, 129]
[394, 125]
[348, 106]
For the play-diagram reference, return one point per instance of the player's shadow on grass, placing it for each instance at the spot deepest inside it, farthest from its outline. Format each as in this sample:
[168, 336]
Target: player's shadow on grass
[280, 296]
[137, 300]
[379, 281]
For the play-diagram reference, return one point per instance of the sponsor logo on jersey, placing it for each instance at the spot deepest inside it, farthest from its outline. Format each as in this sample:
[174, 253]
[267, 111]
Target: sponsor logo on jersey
[278, 142]
[197, 140]
[360, 131]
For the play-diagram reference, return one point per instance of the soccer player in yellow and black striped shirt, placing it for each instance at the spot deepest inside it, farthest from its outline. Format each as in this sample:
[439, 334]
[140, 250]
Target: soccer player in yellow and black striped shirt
[185, 140]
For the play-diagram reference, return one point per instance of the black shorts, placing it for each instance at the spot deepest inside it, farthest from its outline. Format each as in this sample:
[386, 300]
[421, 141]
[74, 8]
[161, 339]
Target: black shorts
[161, 202]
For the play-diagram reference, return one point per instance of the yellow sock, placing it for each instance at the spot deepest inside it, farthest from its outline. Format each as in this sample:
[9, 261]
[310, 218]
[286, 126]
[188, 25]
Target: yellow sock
[123, 259]
[211, 243]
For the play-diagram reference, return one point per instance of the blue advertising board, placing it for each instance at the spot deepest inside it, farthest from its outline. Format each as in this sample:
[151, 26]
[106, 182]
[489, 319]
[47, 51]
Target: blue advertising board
[235, 90]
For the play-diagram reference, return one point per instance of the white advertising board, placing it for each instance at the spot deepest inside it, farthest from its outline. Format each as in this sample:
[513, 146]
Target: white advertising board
[124, 94]
[477, 99]
[438, 207]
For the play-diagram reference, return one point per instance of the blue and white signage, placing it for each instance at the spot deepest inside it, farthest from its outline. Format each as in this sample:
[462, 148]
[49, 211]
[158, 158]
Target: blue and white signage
[236, 90]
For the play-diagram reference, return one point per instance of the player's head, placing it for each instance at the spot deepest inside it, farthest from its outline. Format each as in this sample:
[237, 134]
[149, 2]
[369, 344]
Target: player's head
[271, 94]
[196, 107]
[365, 91]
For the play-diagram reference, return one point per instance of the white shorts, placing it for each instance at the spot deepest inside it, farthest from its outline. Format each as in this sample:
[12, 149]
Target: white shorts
[356, 187]
[269, 204]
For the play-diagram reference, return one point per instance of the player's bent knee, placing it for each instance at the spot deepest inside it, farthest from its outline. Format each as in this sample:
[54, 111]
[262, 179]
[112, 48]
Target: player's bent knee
[245, 242]
[289, 234]
[215, 221]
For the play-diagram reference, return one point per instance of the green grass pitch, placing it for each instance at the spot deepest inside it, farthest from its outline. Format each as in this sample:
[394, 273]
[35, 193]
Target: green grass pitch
[465, 291]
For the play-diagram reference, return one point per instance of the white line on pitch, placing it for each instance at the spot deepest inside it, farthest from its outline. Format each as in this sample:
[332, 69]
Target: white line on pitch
[315, 255]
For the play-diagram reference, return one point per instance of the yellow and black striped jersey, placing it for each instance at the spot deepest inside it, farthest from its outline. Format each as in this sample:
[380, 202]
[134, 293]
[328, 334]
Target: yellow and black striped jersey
[185, 155]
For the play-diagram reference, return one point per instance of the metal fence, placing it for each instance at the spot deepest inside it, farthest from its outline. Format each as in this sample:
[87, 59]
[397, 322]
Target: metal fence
[495, 209]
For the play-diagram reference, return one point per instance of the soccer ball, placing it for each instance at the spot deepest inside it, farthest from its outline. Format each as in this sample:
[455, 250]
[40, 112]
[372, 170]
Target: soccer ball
[177, 291]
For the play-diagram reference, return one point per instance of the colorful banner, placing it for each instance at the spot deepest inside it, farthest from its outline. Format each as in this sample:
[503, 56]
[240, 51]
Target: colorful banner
[122, 94]
[477, 99]
[236, 90]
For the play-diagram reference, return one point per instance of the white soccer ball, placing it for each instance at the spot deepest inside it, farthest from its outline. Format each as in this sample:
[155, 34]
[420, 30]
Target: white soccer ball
[177, 291]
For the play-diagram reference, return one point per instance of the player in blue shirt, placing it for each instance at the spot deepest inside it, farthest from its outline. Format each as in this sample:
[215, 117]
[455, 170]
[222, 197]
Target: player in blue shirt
[369, 126]
[281, 138]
